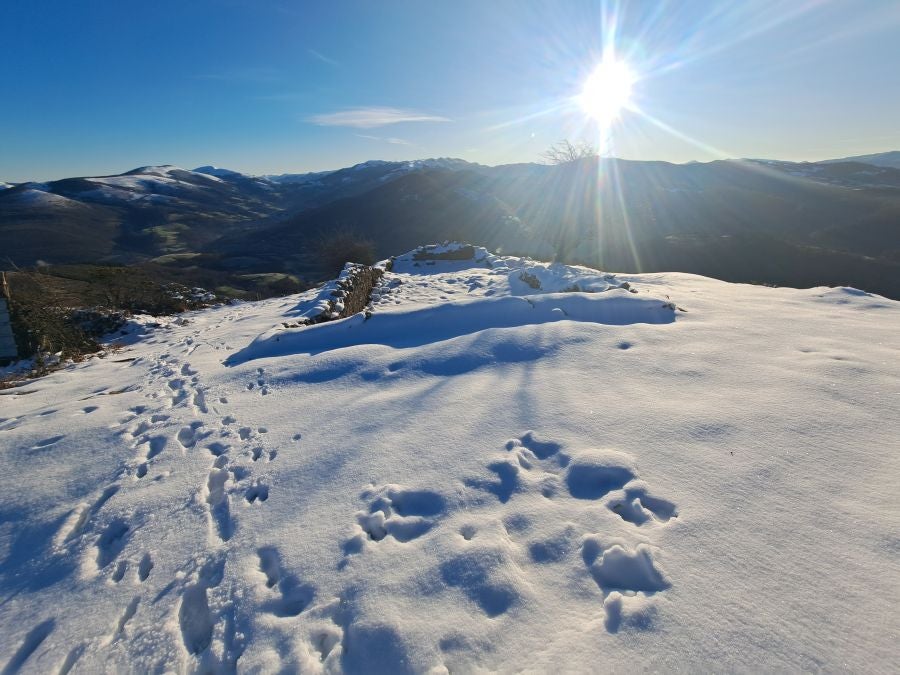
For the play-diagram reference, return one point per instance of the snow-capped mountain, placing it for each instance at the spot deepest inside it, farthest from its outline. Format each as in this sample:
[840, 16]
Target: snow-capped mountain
[884, 159]
[390, 170]
[216, 171]
[762, 221]
[856, 175]
[396, 168]
[145, 183]
[500, 465]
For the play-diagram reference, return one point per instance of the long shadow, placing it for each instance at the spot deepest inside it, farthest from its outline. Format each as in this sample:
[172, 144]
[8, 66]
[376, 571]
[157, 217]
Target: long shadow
[28, 566]
[420, 326]
[31, 642]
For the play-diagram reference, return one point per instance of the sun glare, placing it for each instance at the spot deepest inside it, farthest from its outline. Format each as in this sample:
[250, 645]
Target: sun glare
[607, 91]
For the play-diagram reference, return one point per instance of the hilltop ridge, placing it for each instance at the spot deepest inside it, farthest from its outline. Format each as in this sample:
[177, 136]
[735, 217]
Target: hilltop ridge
[783, 223]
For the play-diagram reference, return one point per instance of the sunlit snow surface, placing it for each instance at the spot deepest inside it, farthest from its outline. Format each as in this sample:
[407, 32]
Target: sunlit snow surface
[469, 480]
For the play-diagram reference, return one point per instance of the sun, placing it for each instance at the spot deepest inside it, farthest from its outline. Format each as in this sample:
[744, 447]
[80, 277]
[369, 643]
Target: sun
[607, 91]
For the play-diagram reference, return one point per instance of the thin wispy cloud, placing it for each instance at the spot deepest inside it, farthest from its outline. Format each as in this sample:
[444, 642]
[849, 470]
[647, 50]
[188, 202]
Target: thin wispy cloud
[324, 59]
[385, 139]
[372, 117]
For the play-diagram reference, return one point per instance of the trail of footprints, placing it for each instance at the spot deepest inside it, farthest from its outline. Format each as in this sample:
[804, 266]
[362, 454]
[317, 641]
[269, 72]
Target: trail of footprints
[156, 434]
[624, 568]
[260, 384]
[230, 446]
[225, 472]
[626, 573]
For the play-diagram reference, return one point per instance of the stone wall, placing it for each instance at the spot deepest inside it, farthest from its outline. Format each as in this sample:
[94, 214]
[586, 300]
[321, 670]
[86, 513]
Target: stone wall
[354, 289]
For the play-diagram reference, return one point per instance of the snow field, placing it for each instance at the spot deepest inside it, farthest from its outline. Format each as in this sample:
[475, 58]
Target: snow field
[482, 487]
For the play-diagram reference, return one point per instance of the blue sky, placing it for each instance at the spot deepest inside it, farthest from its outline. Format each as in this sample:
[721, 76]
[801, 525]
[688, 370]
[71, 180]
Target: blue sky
[266, 86]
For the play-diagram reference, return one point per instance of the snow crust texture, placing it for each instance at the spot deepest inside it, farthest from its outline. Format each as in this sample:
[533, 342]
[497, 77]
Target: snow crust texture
[508, 466]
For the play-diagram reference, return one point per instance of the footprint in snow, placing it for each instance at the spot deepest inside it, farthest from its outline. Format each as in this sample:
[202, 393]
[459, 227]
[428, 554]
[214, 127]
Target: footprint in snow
[627, 574]
[145, 566]
[396, 512]
[617, 567]
[293, 596]
[128, 613]
[9, 423]
[590, 475]
[119, 573]
[190, 435]
[260, 382]
[195, 617]
[47, 442]
[635, 504]
[527, 452]
[483, 574]
[219, 503]
[111, 542]
[258, 492]
[155, 446]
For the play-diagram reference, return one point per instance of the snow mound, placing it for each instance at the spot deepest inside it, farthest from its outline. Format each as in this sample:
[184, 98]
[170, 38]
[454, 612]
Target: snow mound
[438, 293]
[416, 326]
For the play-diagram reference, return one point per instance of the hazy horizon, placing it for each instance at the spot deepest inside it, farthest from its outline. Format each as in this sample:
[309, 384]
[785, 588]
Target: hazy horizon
[281, 87]
[538, 160]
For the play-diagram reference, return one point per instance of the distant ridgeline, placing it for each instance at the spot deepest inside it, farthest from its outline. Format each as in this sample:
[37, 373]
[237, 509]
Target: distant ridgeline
[757, 221]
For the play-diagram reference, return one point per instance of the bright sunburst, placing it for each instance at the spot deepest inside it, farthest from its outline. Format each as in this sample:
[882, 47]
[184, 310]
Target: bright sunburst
[607, 91]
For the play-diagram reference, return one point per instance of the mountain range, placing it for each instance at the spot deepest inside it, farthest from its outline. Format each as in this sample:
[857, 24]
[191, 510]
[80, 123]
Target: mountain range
[835, 222]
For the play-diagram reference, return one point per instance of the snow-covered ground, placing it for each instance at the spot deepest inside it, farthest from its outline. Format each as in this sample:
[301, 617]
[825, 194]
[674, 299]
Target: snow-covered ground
[38, 197]
[484, 475]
